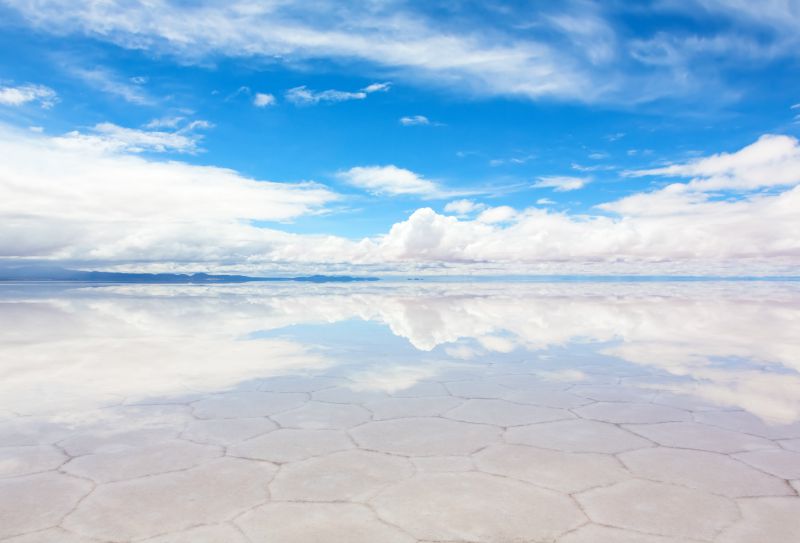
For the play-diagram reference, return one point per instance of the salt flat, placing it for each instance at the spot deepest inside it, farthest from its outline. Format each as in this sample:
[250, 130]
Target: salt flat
[458, 412]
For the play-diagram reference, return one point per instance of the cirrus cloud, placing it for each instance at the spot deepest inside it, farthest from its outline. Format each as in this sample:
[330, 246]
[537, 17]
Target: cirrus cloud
[303, 96]
[111, 137]
[385, 34]
[561, 183]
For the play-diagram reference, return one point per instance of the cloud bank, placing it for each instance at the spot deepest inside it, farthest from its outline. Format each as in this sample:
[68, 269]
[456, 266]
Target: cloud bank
[68, 199]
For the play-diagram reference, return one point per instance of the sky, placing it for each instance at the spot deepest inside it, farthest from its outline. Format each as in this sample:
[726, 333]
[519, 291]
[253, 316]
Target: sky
[385, 136]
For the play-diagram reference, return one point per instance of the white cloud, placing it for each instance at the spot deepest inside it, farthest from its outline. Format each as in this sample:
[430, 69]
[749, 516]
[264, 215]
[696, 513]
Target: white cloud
[165, 122]
[708, 235]
[477, 59]
[304, 96]
[497, 214]
[22, 94]
[244, 89]
[262, 99]
[782, 16]
[679, 225]
[773, 160]
[561, 183]
[594, 168]
[70, 198]
[576, 50]
[414, 120]
[463, 207]
[516, 160]
[107, 81]
[795, 106]
[111, 137]
[390, 180]
[545, 202]
[67, 199]
[377, 87]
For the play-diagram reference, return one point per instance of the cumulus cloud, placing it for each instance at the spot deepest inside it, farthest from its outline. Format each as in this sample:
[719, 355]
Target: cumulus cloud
[262, 99]
[680, 224]
[561, 183]
[390, 180]
[497, 214]
[23, 94]
[686, 233]
[414, 120]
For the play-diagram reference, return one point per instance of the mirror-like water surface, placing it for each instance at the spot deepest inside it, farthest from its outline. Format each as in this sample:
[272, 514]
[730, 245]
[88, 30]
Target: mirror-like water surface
[497, 412]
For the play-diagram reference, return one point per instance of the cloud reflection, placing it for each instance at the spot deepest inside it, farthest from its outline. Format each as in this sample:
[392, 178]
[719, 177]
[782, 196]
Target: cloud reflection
[82, 348]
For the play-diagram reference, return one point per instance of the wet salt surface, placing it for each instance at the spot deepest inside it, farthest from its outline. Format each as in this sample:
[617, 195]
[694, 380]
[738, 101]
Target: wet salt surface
[398, 413]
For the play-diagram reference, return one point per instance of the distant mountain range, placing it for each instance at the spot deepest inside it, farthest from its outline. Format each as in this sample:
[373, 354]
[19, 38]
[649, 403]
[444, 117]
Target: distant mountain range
[52, 273]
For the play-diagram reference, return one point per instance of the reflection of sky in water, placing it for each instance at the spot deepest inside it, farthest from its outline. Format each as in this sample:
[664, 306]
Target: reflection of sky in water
[79, 348]
[571, 413]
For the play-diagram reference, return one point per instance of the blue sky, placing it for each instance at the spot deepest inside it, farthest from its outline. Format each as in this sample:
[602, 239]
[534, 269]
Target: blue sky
[558, 122]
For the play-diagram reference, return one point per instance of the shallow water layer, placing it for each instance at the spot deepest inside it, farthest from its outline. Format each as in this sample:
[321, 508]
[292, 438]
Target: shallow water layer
[394, 412]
